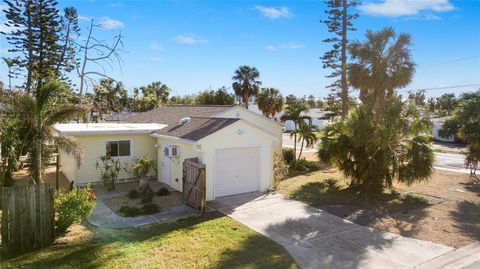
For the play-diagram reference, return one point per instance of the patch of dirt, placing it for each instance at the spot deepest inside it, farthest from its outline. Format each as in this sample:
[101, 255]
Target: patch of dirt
[22, 177]
[163, 202]
[77, 233]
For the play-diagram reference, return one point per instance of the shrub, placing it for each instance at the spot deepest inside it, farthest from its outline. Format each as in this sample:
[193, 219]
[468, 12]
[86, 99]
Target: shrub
[280, 169]
[130, 211]
[109, 170]
[133, 194]
[163, 192]
[150, 208]
[305, 165]
[288, 155]
[146, 194]
[73, 206]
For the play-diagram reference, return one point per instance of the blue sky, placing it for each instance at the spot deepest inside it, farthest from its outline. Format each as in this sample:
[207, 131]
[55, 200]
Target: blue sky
[192, 46]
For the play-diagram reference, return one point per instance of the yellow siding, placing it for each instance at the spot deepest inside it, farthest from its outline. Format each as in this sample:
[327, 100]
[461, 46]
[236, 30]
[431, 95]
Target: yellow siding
[94, 146]
[230, 138]
[185, 151]
[255, 119]
[68, 165]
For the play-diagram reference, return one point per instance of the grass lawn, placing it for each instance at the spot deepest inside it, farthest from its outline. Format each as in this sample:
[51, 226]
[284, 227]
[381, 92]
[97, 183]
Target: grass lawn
[329, 187]
[444, 209]
[210, 241]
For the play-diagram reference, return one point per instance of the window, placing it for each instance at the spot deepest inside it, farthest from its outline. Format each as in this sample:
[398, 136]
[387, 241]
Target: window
[118, 148]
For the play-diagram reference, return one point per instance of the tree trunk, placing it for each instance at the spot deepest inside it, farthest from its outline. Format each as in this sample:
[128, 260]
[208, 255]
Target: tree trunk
[343, 79]
[301, 149]
[295, 142]
[245, 100]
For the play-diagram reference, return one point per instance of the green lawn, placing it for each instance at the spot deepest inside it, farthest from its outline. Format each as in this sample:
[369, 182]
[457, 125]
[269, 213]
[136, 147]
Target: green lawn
[329, 187]
[210, 241]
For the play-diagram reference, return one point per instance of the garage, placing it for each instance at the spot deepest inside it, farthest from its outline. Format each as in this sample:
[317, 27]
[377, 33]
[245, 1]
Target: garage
[237, 170]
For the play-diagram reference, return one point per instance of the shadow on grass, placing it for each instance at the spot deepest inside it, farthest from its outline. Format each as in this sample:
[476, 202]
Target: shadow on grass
[334, 196]
[467, 218]
[100, 247]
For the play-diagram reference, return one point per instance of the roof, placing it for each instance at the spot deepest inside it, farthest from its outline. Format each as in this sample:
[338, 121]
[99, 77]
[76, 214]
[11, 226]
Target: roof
[171, 114]
[107, 128]
[196, 128]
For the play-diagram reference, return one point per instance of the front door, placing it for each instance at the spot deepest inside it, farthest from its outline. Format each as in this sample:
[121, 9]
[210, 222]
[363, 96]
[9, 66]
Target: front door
[165, 169]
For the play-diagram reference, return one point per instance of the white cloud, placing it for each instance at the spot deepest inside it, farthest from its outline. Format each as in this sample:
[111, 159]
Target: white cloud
[189, 40]
[110, 24]
[156, 46]
[274, 12]
[84, 18]
[397, 8]
[154, 59]
[284, 46]
[270, 48]
[115, 5]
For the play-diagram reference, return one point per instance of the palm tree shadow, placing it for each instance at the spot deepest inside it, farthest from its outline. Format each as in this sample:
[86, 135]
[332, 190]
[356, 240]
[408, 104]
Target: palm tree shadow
[467, 218]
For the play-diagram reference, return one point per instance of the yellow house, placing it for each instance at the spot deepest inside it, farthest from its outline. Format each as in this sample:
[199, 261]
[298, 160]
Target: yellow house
[235, 144]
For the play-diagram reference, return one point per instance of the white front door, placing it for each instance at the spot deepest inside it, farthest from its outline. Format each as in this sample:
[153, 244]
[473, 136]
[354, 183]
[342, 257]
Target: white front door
[165, 169]
[237, 170]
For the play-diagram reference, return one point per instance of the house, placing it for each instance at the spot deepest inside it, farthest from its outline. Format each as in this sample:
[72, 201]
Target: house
[437, 125]
[317, 116]
[120, 116]
[235, 144]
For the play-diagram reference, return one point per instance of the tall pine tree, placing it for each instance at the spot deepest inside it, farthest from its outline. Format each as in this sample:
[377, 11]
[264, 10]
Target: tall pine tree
[35, 36]
[339, 23]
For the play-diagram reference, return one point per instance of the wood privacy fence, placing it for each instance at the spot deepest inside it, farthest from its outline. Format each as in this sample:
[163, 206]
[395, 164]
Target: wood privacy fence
[27, 218]
[194, 187]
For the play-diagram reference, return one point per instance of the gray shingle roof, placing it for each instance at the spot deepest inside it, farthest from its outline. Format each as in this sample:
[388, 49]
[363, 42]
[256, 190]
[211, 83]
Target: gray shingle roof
[200, 125]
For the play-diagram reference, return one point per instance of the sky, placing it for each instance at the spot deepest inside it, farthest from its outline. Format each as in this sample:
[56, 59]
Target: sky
[196, 45]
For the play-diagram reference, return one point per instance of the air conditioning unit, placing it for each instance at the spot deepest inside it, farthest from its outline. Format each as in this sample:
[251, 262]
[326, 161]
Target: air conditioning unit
[170, 151]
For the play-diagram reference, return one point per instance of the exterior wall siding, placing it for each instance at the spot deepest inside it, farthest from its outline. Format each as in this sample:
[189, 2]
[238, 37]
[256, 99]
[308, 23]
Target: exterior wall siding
[68, 165]
[94, 146]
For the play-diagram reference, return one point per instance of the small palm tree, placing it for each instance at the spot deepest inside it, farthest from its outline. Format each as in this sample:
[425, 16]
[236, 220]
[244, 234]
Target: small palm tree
[40, 113]
[294, 112]
[246, 83]
[380, 65]
[306, 133]
[270, 101]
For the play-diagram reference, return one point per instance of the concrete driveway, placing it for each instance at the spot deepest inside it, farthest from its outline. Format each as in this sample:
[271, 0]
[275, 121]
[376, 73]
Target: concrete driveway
[317, 239]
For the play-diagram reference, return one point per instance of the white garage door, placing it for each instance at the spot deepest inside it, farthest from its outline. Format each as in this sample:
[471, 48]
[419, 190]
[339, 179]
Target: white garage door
[237, 170]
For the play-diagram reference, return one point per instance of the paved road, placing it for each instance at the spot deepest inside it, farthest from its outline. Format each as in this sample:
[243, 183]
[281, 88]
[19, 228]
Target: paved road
[452, 161]
[317, 239]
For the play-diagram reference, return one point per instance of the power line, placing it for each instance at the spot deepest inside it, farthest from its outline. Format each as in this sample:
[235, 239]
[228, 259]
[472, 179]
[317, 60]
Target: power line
[440, 88]
[455, 60]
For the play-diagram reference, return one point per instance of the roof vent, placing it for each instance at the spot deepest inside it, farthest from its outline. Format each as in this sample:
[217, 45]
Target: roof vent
[184, 120]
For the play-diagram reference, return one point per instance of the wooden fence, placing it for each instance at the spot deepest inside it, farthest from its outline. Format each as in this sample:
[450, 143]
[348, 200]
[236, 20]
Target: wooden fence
[27, 218]
[194, 187]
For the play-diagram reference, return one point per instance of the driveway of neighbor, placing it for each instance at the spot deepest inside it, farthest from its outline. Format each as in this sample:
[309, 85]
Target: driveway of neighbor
[317, 239]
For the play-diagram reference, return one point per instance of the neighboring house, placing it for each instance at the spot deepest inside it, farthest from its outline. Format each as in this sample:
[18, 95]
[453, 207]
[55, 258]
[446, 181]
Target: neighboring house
[120, 116]
[317, 116]
[437, 126]
[235, 144]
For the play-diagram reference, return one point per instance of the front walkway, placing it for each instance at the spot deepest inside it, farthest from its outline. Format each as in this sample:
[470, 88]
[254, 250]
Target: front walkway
[317, 239]
[102, 216]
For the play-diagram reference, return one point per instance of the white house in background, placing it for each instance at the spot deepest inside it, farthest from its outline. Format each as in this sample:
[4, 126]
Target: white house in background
[437, 126]
[317, 117]
[235, 144]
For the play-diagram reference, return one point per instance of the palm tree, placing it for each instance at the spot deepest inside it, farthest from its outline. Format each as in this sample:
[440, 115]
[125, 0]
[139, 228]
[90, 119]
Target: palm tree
[40, 113]
[294, 112]
[11, 63]
[270, 101]
[380, 65]
[306, 133]
[111, 96]
[161, 90]
[246, 82]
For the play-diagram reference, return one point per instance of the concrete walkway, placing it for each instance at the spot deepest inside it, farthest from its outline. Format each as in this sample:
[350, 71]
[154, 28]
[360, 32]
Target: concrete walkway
[102, 216]
[317, 239]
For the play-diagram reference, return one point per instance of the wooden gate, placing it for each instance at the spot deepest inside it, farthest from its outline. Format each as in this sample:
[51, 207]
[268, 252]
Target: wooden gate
[27, 218]
[194, 189]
